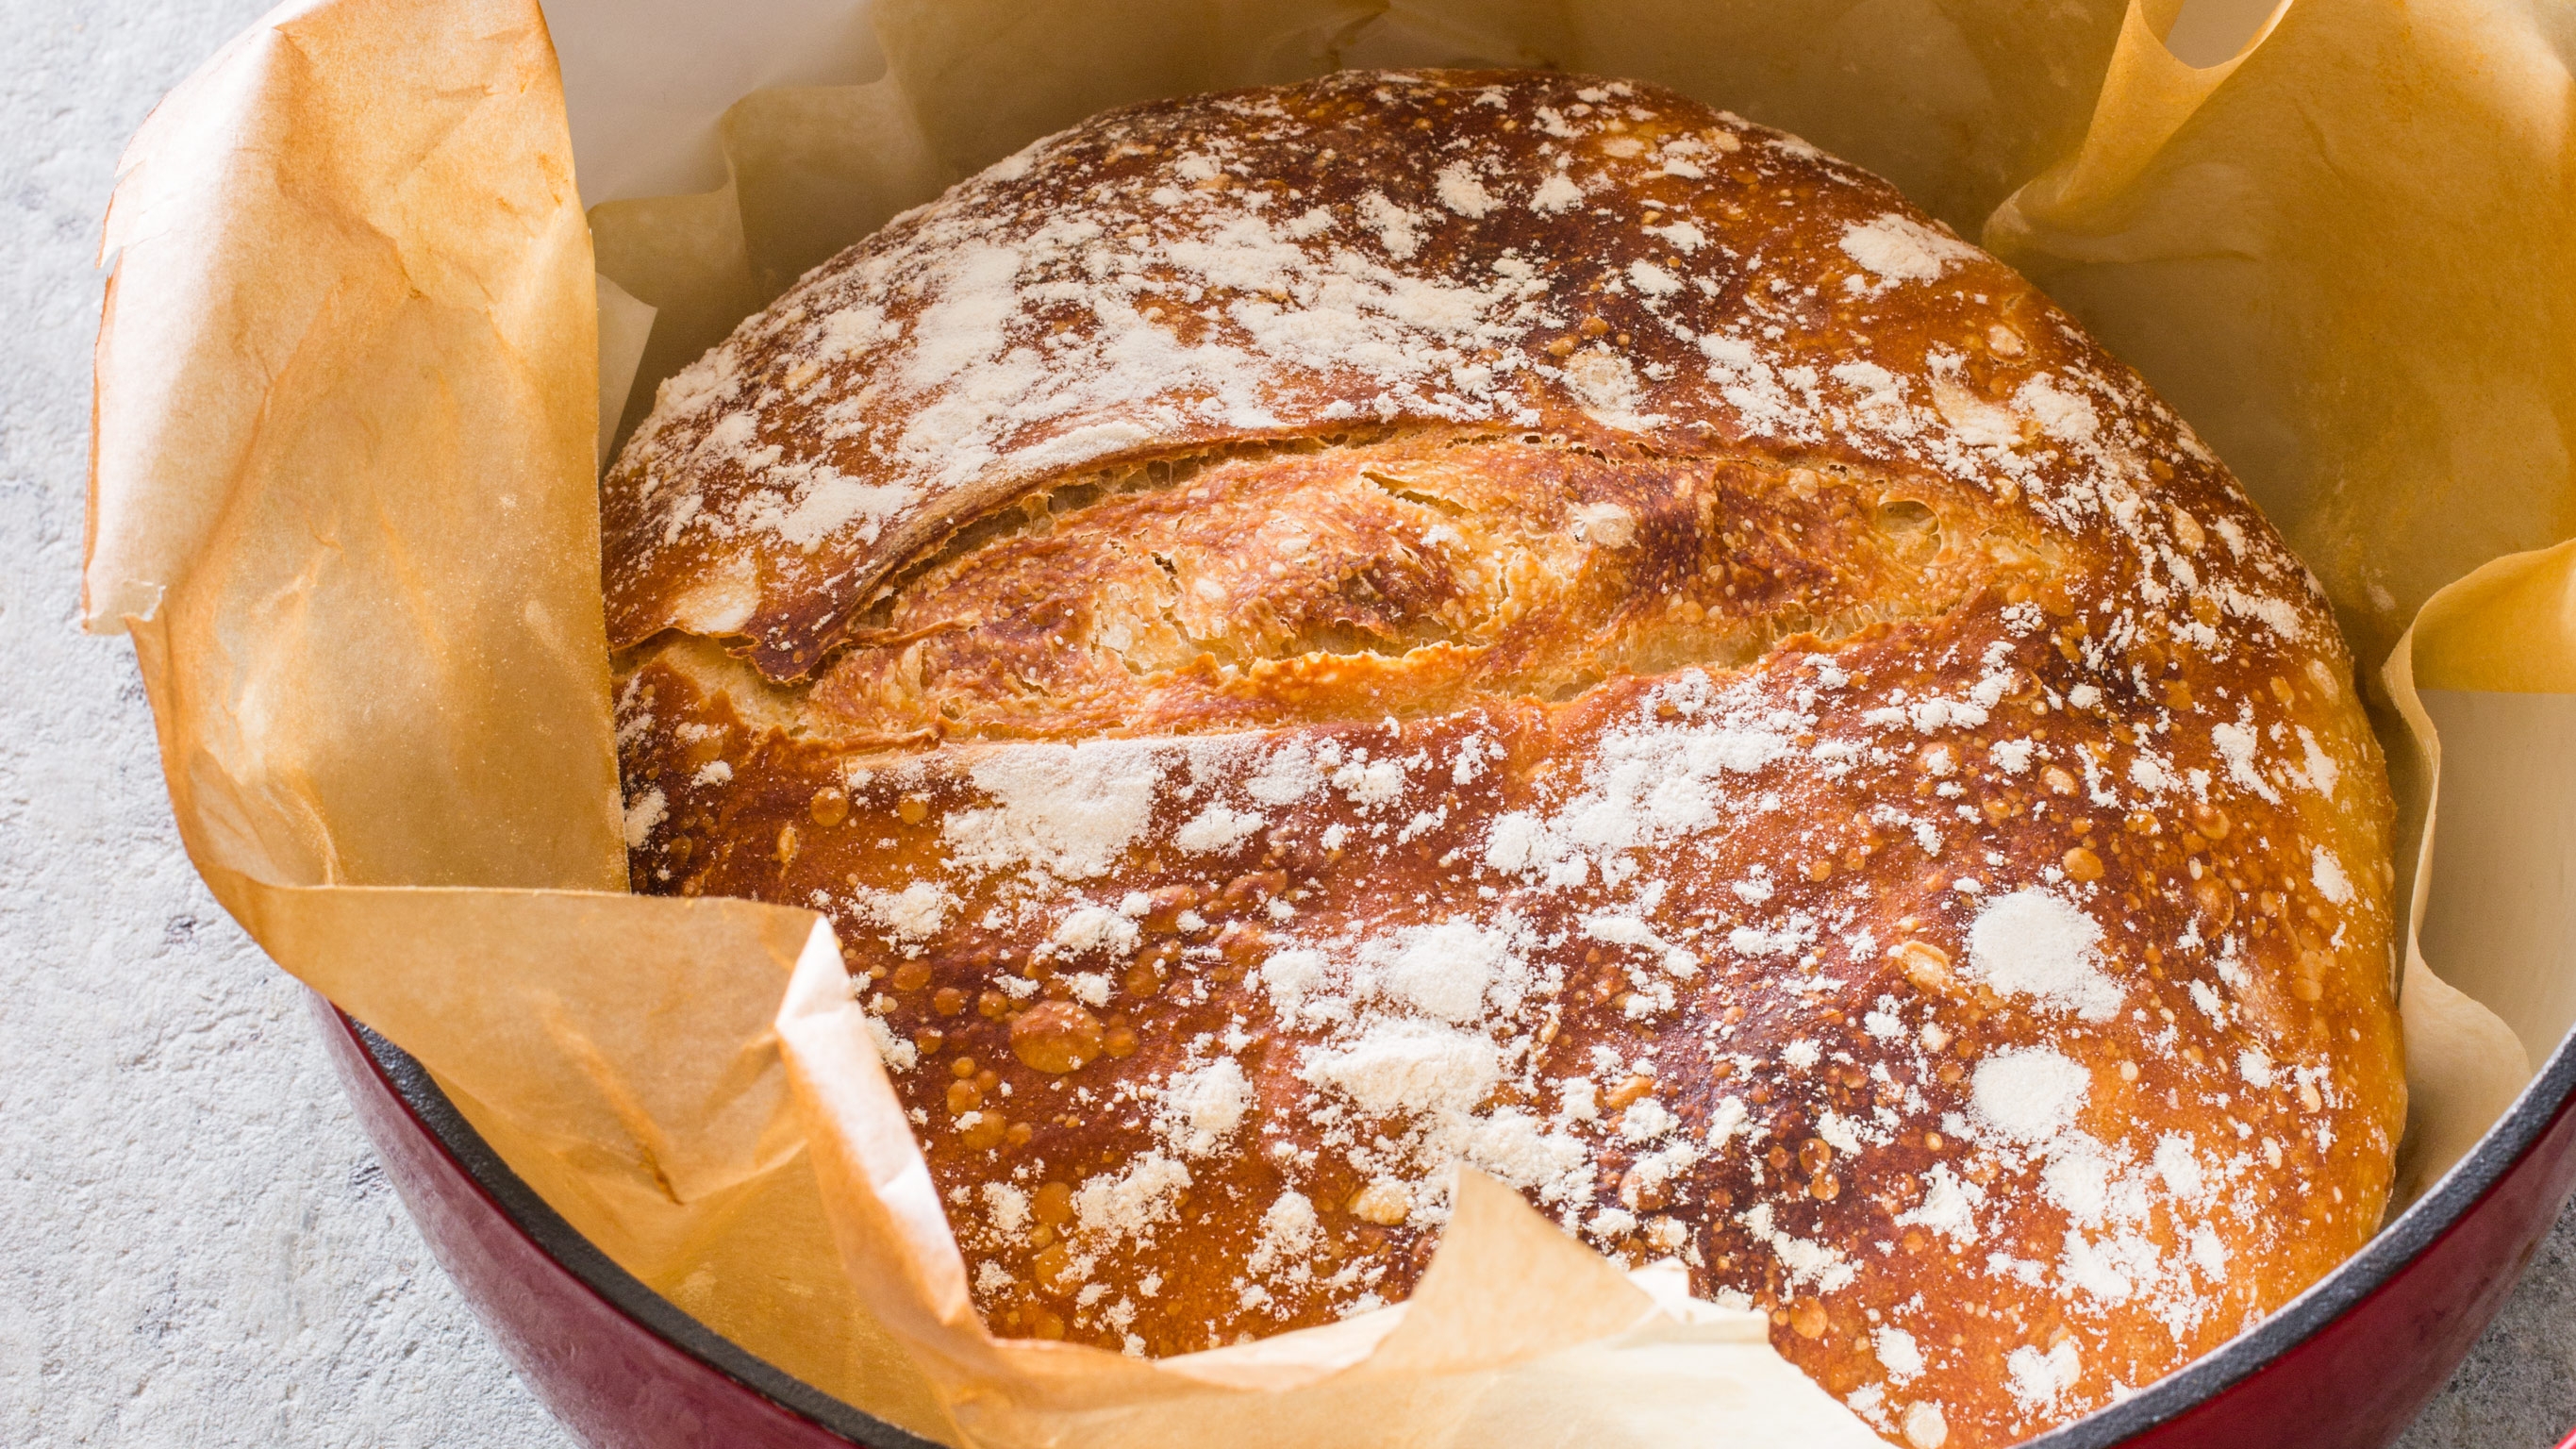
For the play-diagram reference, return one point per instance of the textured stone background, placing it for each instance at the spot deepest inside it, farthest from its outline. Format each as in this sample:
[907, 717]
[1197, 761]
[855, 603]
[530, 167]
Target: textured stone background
[196, 1247]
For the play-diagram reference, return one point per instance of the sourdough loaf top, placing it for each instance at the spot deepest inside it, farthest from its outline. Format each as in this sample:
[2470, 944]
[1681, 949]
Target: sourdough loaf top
[1488, 252]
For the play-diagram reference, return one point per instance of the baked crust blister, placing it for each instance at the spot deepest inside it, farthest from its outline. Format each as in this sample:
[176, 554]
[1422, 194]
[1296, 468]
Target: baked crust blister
[1308, 637]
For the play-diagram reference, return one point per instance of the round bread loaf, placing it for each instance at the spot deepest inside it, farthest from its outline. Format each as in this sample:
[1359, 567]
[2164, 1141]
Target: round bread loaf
[1317, 637]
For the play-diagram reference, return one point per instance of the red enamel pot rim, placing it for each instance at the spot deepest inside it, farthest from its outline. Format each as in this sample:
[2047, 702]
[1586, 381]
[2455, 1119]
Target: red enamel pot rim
[2434, 1216]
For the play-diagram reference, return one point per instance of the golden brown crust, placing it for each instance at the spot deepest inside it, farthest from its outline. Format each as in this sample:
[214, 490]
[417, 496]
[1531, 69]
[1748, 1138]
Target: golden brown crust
[1400, 577]
[1182, 277]
[1874, 815]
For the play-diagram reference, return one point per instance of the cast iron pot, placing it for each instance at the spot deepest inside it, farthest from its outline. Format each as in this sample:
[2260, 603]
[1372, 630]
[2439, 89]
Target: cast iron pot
[2347, 1365]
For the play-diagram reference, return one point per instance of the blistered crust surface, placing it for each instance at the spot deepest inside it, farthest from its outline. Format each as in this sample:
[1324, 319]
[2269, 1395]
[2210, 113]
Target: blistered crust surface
[1863, 807]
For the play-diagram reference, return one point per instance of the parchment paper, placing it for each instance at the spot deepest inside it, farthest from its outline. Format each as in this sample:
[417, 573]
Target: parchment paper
[356, 374]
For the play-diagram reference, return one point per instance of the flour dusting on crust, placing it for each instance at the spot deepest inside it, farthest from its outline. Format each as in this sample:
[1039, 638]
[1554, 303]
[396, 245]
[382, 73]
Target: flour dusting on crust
[1577, 639]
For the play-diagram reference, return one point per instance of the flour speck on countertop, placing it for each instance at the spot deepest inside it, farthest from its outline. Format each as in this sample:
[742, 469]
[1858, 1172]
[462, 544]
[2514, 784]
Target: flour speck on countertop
[197, 1247]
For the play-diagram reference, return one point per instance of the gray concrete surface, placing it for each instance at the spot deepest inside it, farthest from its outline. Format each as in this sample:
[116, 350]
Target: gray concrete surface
[196, 1246]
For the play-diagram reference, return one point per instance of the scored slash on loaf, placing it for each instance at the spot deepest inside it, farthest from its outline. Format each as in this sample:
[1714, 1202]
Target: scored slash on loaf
[1311, 637]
